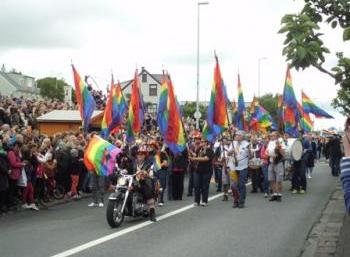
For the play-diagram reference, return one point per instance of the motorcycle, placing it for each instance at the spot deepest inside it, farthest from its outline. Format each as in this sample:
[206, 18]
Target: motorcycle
[125, 201]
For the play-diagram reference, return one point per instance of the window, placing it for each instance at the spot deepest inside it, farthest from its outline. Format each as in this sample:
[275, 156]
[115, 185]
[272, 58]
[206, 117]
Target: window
[144, 77]
[152, 89]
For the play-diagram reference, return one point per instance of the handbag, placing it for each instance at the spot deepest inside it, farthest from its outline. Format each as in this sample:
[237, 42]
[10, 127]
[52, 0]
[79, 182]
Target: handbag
[22, 181]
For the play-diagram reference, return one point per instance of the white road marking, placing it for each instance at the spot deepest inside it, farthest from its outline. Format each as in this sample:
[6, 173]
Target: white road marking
[120, 233]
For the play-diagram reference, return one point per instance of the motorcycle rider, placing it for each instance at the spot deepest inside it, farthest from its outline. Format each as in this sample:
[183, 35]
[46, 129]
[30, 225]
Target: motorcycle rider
[144, 175]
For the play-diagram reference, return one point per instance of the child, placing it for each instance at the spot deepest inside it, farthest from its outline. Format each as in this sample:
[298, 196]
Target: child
[74, 170]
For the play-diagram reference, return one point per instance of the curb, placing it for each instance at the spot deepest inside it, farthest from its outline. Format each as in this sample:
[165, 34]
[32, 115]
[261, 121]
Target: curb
[324, 235]
[48, 205]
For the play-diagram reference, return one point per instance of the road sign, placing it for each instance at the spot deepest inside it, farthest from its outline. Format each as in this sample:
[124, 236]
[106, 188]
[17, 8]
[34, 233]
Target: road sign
[197, 115]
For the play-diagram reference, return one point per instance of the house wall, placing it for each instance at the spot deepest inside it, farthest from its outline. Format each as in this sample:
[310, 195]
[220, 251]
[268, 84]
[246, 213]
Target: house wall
[22, 80]
[6, 88]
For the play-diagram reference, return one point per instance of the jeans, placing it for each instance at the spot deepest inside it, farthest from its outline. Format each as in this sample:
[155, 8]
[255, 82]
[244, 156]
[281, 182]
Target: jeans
[201, 186]
[97, 187]
[218, 177]
[190, 182]
[256, 180]
[161, 176]
[334, 162]
[242, 180]
[265, 172]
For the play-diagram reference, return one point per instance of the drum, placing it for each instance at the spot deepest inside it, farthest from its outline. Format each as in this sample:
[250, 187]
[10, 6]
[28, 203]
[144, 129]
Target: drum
[255, 163]
[294, 149]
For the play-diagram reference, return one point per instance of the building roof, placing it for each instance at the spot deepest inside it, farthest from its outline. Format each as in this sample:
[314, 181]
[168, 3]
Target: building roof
[157, 77]
[16, 85]
[65, 116]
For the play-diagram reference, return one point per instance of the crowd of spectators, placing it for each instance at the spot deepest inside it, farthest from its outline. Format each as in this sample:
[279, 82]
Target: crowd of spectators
[31, 164]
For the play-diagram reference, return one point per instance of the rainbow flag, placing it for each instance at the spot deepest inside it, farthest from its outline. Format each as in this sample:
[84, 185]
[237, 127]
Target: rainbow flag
[290, 112]
[169, 118]
[100, 156]
[114, 111]
[85, 100]
[217, 118]
[240, 117]
[234, 111]
[136, 111]
[305, 121]
[310, 107]
[156, 162]
[260, 120]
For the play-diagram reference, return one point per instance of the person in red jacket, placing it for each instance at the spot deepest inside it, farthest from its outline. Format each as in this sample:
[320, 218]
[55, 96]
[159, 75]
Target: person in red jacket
[16, 165]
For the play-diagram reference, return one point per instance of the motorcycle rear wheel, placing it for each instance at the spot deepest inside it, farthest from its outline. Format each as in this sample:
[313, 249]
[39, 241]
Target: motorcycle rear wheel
[114, 217]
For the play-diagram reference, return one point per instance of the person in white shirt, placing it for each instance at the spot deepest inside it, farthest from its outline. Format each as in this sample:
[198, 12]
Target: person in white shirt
[275, 150]
[240, 151]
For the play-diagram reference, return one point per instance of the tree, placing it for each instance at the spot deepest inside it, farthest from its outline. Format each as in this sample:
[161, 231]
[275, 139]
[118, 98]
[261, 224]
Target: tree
[189, 108]
[52, 88]
[270, 103]
[304, 46]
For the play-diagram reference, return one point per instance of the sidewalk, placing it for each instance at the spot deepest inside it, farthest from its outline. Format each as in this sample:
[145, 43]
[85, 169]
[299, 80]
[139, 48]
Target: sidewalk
[331, 234]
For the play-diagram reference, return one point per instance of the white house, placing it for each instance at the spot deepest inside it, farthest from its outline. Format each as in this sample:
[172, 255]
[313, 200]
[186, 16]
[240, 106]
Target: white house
[15, 84]
[150, 88]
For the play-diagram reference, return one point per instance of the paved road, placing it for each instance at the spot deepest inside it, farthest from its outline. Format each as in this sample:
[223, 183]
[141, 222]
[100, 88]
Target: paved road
[261, 229]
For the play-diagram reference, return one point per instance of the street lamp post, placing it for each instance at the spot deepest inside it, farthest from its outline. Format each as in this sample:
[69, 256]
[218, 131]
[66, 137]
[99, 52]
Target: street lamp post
[259, 61]
[197, 102]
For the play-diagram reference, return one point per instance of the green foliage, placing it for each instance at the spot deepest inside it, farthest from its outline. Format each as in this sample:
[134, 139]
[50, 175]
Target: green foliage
[270, 103]
[304, 47]
[52, 88]
[189, 108]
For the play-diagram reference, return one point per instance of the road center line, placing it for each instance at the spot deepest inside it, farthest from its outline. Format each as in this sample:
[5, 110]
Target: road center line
[120, 233]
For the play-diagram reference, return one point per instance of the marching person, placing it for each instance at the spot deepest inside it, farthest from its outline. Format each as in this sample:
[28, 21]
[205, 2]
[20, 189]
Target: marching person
[142, 168]
[179, 166]
[255, 171]
[201, 176]
[193, 151]
[275, 150]
[240, 150]
[309, 154]
[160, 164]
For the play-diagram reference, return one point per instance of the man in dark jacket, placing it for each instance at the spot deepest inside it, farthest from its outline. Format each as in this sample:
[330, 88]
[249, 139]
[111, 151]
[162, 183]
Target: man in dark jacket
[335, 155]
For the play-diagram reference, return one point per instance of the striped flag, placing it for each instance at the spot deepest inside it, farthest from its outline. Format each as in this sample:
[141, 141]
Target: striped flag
[217, 118]
[136, 111]
[310, 107]
[100, 155]
[85, 100]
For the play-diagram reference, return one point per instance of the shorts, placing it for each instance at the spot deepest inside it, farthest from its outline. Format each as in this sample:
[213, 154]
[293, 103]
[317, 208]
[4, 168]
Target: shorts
[226, 180]
[230, 177]
[275, 172]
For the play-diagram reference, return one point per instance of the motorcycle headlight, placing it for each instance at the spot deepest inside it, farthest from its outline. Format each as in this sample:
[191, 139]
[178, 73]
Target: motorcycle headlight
[122, 181]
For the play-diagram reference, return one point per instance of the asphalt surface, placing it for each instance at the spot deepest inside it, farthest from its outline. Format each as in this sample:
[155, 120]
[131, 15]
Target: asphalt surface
[261, 229]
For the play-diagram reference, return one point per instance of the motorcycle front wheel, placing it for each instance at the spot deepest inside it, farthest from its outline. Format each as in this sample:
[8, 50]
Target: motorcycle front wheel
[114, 216]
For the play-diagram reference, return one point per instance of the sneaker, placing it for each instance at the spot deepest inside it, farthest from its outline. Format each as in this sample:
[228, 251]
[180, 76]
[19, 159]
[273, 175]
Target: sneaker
[225, 198]
[25, 206]
[34, 207]
[195, 204]
[93, 205]
[160, 204]
[308, 176]
[302, 192]
[294, 191]
[279, 198]
[235, 205]
[101, 205]
[203, 204]
[266, 195]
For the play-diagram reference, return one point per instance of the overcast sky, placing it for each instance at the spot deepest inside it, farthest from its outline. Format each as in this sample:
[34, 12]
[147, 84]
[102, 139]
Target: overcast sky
[40, 38]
